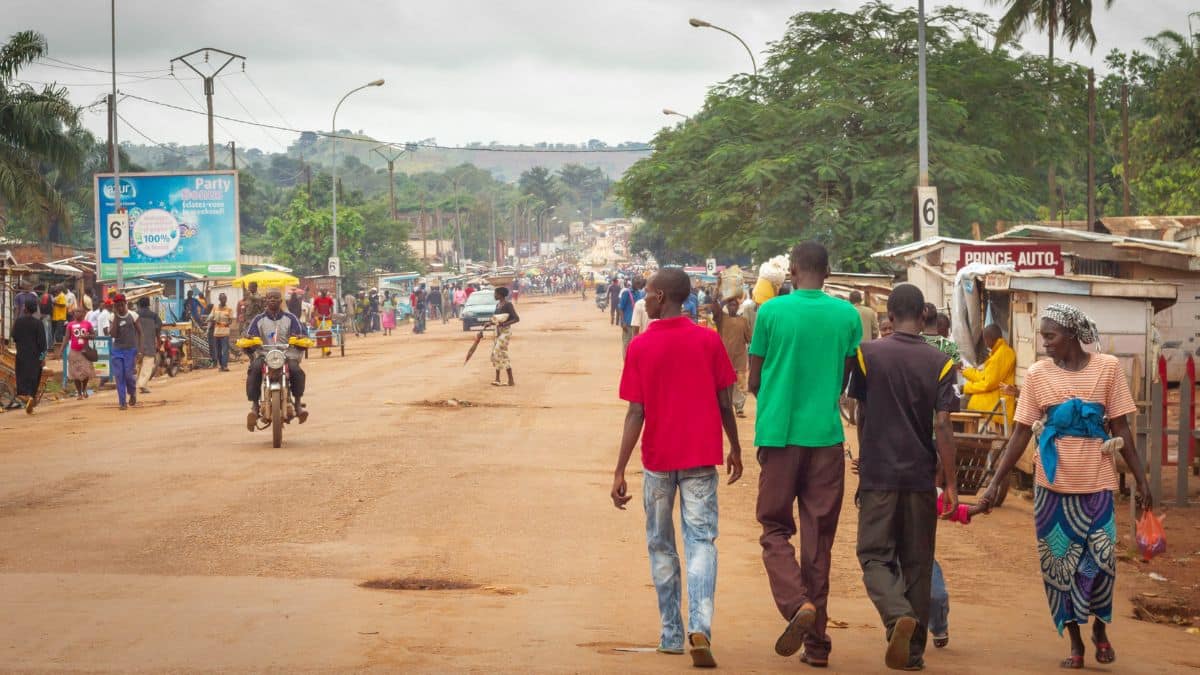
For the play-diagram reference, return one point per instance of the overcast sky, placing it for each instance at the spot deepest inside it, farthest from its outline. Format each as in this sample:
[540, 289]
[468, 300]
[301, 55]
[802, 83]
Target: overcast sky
[520, 71]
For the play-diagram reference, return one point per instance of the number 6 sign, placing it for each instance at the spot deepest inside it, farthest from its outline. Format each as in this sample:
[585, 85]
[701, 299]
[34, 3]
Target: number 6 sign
[927, 213]
[118, 235]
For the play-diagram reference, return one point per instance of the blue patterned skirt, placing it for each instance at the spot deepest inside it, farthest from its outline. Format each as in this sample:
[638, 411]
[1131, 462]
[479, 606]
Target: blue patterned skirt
[1076, 541]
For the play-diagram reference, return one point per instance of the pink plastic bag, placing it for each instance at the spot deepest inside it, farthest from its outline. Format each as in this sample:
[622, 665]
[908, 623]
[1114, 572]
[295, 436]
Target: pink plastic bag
[1151, 538]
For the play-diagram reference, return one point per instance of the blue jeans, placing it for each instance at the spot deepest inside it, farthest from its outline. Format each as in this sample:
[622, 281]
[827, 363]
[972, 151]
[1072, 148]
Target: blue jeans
[122, 363]
[222, 351]
[698, 508]
[939, 604]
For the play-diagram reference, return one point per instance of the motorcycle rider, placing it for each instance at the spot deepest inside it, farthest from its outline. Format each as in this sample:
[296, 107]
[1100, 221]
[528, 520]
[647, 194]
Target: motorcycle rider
[275, 326]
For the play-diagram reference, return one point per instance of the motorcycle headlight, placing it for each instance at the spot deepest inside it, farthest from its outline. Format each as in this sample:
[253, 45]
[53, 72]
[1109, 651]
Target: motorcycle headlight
[275, 359]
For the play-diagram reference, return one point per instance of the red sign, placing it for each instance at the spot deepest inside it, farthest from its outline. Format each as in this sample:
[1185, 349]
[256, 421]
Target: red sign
[1038, 257]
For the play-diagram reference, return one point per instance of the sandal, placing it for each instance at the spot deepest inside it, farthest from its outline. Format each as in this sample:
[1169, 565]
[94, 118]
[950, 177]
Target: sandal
[1073, 662]
[1104, 651]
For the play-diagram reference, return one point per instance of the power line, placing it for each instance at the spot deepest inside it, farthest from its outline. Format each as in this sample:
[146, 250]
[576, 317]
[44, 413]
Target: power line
[264, 97]
[237, 100]
[79, 66]
[197, 102]
[431, 146]
[90, 84]
[152, 141]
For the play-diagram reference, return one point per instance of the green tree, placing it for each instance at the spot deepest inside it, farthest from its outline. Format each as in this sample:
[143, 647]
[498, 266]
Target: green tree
[36, 128]
[301, 237]
[826, 148]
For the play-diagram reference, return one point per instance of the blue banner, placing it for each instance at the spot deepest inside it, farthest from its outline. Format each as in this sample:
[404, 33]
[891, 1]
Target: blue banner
[178, 222]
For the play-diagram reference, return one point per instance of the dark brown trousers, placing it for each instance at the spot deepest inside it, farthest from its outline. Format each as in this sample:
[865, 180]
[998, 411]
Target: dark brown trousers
[815, 479]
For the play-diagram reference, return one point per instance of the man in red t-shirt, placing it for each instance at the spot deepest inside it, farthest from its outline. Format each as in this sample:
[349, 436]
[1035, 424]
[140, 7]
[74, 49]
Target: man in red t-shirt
[323, 314]
[679, 383]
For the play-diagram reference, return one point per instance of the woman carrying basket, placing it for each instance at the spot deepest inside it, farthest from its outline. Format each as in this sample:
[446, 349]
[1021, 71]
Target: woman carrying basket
[1066, 401]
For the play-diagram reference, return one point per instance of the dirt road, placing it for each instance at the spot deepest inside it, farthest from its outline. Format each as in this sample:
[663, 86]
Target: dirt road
[169, 538]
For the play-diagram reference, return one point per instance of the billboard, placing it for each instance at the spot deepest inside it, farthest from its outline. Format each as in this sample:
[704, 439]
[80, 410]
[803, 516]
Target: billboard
[178, 222]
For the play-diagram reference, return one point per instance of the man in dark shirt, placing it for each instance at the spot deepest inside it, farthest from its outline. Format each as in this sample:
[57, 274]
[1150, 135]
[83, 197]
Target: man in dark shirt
[126, 332]
[905, 393]
[614, 292]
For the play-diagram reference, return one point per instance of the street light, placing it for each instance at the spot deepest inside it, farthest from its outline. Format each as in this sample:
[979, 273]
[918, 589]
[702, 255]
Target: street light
[333, 132]
[668, 111]
[699, 23]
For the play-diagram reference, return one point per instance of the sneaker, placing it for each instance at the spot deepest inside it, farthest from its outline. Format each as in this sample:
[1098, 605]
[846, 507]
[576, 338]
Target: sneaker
[701, 651]
[814, 660]
[897, 655]
[940, 641]
[797, 629]
[302, 412]
[252, 419]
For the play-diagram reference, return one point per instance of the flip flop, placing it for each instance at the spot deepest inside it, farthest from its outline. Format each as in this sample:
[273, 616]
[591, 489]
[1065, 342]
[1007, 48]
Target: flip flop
[701, 651]
[1073, 662]
[896, 656]
[797, 629]
[1104, 651]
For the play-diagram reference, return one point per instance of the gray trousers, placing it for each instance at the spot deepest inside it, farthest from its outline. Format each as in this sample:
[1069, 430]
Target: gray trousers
[896, 535]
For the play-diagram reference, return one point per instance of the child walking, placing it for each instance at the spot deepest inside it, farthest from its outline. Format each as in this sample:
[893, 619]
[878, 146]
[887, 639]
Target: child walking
[679, 385]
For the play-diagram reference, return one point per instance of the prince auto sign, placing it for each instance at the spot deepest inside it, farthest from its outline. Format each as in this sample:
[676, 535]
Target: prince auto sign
[1034, 257]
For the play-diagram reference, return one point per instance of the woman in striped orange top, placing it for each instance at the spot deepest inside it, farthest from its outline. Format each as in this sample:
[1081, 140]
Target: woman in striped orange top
[1066, 401]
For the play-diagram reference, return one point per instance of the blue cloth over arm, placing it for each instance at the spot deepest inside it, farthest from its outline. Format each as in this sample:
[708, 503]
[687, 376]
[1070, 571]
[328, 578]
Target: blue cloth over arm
[1073, 417]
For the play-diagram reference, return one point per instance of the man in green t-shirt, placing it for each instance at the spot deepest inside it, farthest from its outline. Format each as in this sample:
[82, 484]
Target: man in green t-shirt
[804, 344]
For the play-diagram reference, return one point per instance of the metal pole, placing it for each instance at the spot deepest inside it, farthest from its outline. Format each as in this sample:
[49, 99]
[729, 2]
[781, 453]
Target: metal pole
[116, 152]
[495, 254]
[922, 104]
[333, 132]
[233, 154]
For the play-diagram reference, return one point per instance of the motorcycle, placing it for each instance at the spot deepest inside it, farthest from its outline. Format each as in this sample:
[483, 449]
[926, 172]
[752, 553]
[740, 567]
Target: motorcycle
[276, 405]
[602, 302]
[170, 354]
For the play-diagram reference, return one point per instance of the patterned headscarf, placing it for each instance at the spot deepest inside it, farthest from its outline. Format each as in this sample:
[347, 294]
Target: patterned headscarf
[1074, 320]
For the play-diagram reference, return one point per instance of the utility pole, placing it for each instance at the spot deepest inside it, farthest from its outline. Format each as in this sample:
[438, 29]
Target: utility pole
[208, 88]
[109, 99]
[922, 103]
[391, 160]
[495, 253]
[424, 236]
[1125, 177]
[233, 154]
[116, 147]
[1091, 152]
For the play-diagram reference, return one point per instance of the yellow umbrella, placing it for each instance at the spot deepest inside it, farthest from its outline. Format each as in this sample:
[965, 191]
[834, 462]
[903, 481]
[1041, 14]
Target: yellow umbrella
[268, 279]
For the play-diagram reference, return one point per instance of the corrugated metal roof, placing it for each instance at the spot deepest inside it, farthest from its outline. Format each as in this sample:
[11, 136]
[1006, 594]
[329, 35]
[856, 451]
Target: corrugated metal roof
[918, 246]
[1057, 233]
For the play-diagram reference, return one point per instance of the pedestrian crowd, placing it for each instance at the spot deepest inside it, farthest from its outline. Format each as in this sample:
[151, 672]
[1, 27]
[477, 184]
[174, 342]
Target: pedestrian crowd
[804, 350]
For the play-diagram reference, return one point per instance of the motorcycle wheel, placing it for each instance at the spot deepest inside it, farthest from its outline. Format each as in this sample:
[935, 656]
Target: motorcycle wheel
[276, 419]
[172, 368]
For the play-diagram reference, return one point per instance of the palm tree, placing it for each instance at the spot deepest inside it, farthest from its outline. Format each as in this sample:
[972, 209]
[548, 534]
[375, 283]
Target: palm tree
[36, 130]
[1070, 18]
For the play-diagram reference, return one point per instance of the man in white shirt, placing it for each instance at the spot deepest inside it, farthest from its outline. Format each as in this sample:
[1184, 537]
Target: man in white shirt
[640, 318]
[100, 319]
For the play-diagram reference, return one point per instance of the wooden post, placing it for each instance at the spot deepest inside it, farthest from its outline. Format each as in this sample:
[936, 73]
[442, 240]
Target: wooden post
[1091, 150]
[1125, 177]
[976, 233]
[1158, 419]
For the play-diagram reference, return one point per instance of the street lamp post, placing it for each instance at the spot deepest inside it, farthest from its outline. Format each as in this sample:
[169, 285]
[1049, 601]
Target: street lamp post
[333, 133]
[700, 23]
[668, 112]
